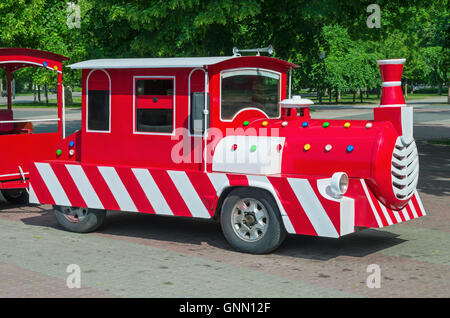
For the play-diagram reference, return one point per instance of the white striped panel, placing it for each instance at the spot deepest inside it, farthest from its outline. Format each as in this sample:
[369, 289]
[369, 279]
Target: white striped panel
[313, 208]
[188, 193]
[413, 209]
[372, 206]
[420, 203]
[152, 191]
[385, 213]
[219, 181]
[264, 183]
[397, 216]
[84, 186]
[405, 214]
[52, 183]
[391, 84]
[32, 197]
[117, 188]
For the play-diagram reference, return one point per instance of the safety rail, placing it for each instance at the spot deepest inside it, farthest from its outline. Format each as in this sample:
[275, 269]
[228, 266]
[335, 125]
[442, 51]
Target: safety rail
[27, 120]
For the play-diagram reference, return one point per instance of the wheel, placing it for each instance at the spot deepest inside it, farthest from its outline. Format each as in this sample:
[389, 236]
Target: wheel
[80, 220]
[251, 221]
[16, 196]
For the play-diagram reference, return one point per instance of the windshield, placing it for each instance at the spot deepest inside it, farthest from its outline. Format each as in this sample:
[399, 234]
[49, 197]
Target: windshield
[251, 88]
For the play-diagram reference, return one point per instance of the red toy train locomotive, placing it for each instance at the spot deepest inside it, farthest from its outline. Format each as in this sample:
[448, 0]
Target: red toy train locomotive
[222, 137]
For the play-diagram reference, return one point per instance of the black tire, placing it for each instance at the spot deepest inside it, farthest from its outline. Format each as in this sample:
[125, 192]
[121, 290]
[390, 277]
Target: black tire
[91, 221]
[275, 232]
[16, 196]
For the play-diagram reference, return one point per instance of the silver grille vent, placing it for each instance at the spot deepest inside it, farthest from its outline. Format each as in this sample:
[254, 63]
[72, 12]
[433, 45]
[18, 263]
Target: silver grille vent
[404, 169]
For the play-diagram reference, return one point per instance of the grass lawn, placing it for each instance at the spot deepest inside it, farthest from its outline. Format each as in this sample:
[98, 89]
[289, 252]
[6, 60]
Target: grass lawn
[347, 99]
[443, 141]
[51, 104]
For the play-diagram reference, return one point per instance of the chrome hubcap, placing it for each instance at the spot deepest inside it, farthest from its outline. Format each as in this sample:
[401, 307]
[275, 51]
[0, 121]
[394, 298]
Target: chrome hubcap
[249, 219]
[74, 215]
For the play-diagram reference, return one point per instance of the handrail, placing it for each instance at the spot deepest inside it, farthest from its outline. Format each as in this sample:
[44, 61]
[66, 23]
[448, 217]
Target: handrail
[27, 120]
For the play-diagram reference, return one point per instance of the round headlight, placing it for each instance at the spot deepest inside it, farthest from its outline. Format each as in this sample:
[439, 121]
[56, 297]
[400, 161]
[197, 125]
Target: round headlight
[339, 183]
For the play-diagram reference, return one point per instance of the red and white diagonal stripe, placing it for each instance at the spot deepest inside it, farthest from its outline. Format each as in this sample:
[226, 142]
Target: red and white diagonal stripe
[304, 206]
[385, 216]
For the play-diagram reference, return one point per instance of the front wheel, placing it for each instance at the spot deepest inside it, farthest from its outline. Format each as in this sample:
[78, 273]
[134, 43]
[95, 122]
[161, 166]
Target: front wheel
[16, 196]
[80, 220]
[251, 221]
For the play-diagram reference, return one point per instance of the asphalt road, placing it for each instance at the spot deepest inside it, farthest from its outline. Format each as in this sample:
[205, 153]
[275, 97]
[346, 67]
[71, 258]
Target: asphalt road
[136, 255]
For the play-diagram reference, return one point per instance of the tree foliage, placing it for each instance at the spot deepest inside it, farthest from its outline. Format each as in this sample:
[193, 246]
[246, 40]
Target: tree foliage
[328, 39]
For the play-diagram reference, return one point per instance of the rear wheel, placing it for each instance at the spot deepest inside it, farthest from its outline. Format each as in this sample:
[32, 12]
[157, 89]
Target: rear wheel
[251, 221]
[80, 220]
[16, 196]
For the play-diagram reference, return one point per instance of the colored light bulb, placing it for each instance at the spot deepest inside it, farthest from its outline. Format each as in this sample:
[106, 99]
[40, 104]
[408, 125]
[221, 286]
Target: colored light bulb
[279, 147]
[326, 124]
[369, 125]
[58, 152]
[350, 148]
[55, 68]
[305, 124]
[234, 147]
[284, 123]
[45, 63]
[307, 147]
[246, 123]
[71, 152]
[265, 123]
[71, 143]
[347, 124]
[328, 147]
[253, 148]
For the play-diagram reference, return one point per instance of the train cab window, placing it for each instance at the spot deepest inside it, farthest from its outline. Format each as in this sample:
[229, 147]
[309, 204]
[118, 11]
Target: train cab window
[98, 101]
[251, 88]
[155, 105]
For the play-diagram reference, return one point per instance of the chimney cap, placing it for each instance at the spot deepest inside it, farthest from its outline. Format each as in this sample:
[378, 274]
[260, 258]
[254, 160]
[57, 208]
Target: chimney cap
[391, 61]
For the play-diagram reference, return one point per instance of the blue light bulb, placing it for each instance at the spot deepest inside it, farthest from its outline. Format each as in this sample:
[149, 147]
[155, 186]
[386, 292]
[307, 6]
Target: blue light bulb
[350, 148]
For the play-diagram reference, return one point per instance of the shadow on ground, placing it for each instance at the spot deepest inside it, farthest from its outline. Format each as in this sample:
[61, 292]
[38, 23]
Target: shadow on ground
[190, 232]
[434, 174]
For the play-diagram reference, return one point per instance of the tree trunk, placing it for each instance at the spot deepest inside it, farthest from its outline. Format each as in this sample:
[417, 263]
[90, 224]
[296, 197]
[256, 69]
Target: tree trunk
[337, 96]
[329, 95]
[440, 89]
[361, 95]
[448, 94]
[378, 93]
[406, 88]
[34, 93]
[46, 93]
[1, 87]
[319, 95]
[367, 92]
[39, 93]
[68, 95]
[412, 88]
[354, 97]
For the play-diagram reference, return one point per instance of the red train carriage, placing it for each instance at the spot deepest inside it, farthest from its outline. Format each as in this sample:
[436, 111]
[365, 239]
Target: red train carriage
[222, 137]
[20, 145]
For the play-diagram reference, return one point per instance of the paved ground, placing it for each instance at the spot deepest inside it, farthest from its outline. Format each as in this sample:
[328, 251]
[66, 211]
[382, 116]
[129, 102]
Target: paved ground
[154, 256]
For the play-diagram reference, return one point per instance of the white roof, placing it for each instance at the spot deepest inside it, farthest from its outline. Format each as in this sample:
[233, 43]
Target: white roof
[170, 62]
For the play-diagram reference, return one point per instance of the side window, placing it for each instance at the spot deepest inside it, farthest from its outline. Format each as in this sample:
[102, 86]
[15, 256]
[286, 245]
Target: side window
[154, 105]
[98, 101]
